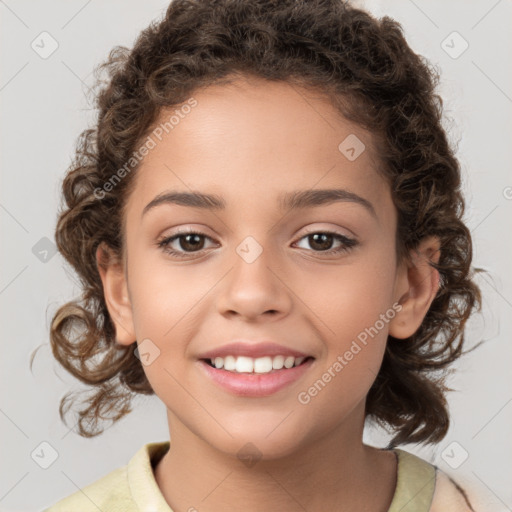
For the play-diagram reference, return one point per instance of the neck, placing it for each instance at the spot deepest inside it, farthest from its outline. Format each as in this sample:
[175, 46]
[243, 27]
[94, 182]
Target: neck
[335, 471]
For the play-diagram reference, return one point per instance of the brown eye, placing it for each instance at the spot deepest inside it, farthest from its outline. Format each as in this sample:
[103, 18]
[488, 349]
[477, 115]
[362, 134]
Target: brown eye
[183, 243]
[322, 241]
[192, 242]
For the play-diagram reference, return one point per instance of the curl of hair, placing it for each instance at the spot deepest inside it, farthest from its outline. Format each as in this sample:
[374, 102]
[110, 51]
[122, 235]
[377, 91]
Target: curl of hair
[366, 68]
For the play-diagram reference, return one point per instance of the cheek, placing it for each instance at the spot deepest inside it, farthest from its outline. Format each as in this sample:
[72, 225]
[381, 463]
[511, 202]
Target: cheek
[164, 294]
[168, 304]
[351, 296]
[353, 309]
[355, 330]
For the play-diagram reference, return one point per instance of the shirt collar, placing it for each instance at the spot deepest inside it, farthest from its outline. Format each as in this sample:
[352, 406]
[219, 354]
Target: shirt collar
[141, 480]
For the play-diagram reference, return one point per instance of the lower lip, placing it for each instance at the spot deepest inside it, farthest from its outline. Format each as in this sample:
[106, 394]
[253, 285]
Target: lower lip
[254, 384]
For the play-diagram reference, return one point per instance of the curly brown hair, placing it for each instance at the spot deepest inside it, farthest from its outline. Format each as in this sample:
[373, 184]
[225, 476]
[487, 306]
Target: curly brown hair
[365, 67]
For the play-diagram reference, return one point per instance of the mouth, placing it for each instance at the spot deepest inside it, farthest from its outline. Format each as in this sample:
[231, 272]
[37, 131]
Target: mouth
[258, 380]
[260, 366]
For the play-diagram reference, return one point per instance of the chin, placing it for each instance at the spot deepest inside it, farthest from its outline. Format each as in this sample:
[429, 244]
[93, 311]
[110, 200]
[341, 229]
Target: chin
[254, 444]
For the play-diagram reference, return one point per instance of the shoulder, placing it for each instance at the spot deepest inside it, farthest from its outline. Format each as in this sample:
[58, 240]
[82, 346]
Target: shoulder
[415, 483]
[449, 496]
[110, 492]
[126, 489]
[423, 487]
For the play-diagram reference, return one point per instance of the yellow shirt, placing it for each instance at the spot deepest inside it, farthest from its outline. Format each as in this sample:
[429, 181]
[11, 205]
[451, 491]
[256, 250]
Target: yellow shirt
[133, 488]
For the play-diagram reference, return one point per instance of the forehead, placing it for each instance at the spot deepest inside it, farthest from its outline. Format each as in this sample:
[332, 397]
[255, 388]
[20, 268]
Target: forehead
[253, 139]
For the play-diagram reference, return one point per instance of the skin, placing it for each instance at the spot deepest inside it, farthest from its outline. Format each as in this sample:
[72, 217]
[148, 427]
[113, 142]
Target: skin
[249, 142]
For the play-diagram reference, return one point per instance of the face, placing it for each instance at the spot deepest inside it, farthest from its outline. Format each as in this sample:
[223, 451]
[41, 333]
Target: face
[313, 277]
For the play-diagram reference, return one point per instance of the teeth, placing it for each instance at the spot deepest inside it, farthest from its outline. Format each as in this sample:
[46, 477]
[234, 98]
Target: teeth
[229, 363]
[288, 362]
[278, 362]
[262, 365]
[243, 364]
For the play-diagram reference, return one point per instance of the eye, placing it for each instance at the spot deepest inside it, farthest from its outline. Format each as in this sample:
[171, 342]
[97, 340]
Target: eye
[190, 241]
[322, 241]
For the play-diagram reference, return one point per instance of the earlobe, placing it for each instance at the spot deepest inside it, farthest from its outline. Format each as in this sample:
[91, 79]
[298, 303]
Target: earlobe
[115, 290]
[417, 286]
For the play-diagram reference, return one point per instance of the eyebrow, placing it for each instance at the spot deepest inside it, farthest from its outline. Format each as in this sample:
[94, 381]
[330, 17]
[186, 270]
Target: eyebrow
[288, 201]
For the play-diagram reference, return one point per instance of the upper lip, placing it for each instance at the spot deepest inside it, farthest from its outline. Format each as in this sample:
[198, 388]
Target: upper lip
[252, 349]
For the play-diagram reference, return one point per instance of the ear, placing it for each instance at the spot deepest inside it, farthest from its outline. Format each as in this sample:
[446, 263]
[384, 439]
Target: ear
[116, 294]
[416, 286]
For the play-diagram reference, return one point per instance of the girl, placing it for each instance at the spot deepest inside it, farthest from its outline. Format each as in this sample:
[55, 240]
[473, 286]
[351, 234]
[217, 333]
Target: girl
[267, 222]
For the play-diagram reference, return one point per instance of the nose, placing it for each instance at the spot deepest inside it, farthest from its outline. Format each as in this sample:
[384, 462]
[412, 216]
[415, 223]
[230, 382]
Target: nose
[255, 288]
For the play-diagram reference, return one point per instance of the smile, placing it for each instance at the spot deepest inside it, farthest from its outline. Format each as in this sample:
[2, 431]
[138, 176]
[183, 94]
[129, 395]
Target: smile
[265, 364]
[245, 376]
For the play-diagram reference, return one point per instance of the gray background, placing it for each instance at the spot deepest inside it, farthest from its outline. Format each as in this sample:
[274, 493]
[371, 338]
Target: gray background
[44, 107]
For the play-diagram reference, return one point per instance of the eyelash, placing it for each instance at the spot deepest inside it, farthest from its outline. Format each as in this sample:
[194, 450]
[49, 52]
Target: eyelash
[348, 243]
